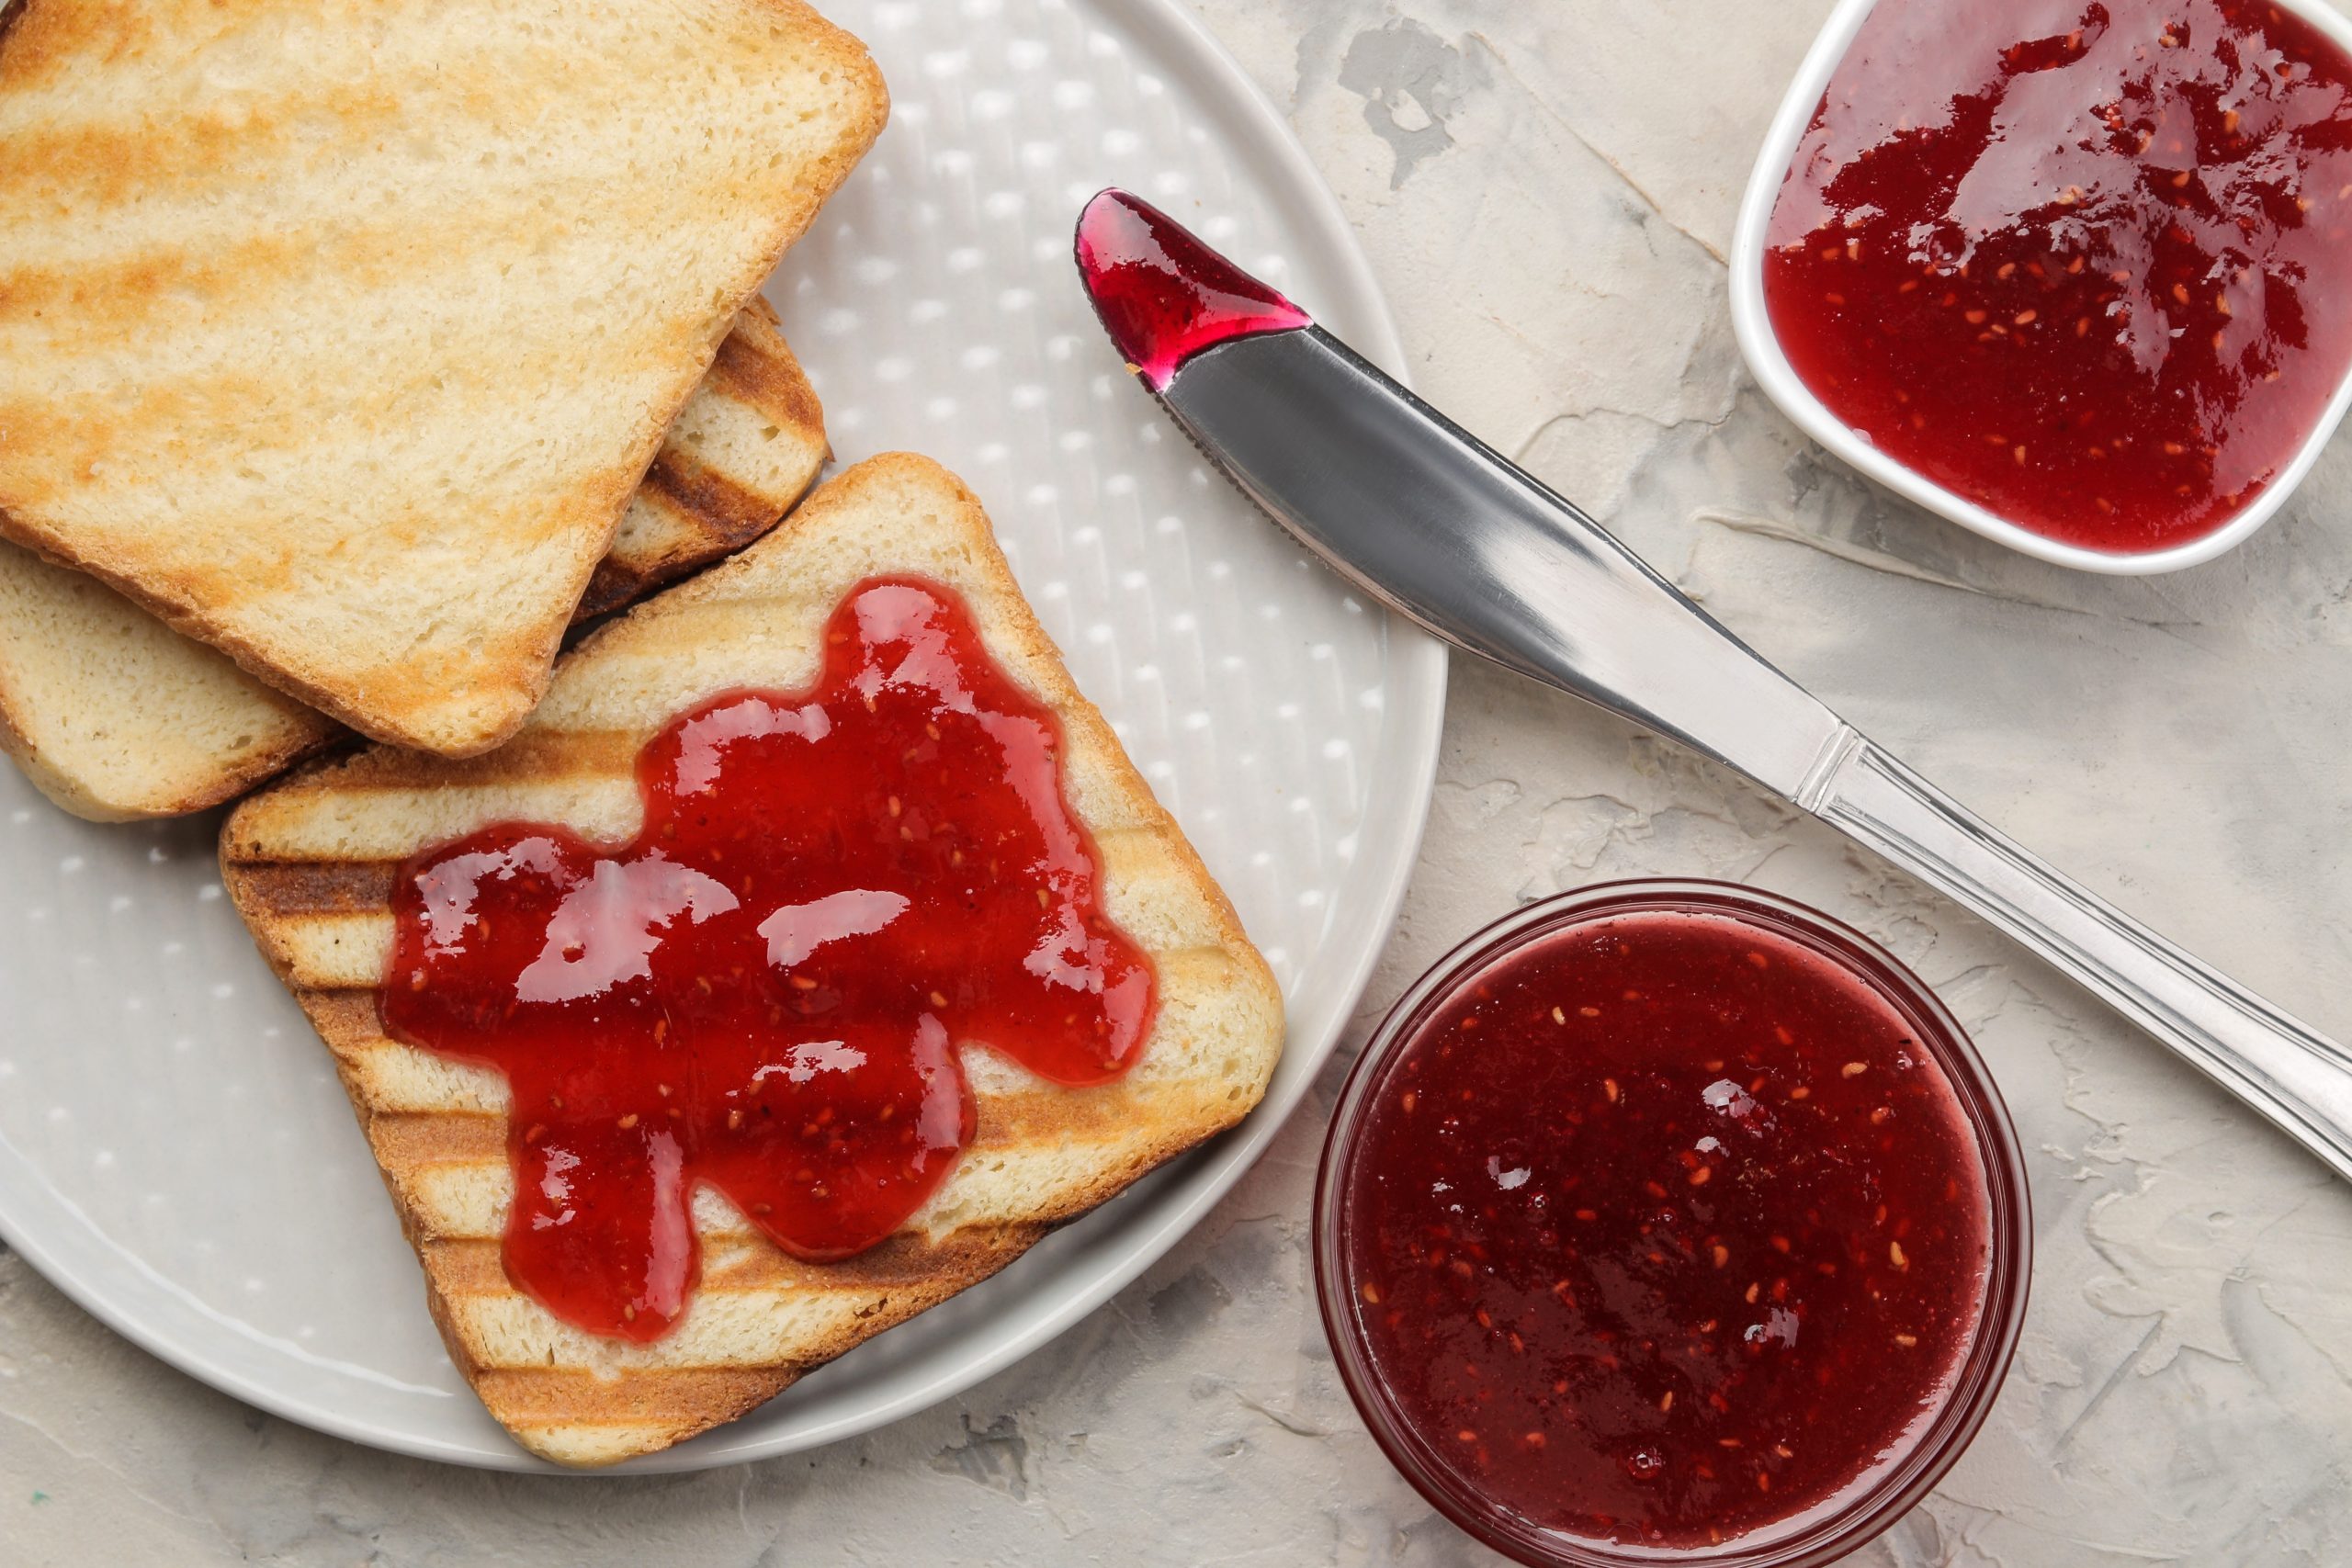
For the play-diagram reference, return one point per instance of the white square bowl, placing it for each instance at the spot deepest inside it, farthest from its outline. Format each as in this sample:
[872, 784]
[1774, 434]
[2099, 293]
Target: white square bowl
[1761, 347]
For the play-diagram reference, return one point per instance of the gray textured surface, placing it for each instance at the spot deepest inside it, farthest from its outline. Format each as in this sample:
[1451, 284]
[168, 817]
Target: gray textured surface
[1546, 191]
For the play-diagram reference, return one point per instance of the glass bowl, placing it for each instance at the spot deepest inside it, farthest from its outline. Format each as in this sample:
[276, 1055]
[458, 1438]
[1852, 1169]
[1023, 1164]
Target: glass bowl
[1850, 1517]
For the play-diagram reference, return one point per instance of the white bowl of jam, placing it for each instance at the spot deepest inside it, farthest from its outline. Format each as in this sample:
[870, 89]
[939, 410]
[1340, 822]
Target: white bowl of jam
[2075, 274]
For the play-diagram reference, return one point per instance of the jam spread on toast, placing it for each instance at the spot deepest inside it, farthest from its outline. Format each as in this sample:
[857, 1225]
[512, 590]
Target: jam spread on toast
[766, 990]
[1664, 1228]
[2082, 261]
[1161, 294]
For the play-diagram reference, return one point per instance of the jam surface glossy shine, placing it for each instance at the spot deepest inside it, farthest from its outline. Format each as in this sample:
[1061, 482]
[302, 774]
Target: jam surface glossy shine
[1161, 294]
[766, 990]
[2088, 264]
[1663, 1229]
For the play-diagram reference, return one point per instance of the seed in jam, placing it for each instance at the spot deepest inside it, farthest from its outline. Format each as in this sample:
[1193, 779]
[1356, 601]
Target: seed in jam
[1668, 1224]
[2081, 264]
[766, 990]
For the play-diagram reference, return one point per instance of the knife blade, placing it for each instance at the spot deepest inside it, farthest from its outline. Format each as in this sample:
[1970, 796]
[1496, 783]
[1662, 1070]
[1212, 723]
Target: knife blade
[1430, 520]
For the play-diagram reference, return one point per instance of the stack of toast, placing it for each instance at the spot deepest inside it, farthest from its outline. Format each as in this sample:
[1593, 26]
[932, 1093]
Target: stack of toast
[351, 351]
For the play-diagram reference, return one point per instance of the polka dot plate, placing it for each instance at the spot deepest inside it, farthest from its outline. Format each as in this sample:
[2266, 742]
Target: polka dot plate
[174, 1152]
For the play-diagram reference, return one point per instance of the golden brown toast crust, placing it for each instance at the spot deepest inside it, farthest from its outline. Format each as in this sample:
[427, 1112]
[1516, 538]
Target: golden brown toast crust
[117, 718]
[266, 313]
[283, 732]
[715, 513]
[310, 864]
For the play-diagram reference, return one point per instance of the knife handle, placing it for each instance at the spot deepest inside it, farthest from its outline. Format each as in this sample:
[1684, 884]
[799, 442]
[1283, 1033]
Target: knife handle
[2284, 1068]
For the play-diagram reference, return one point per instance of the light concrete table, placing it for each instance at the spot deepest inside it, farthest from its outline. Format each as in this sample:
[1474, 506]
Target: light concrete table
[1546, 188]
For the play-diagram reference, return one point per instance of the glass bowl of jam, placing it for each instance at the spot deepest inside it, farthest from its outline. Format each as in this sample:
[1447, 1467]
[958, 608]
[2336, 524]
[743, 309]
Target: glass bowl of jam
[2072, 272]
[1671, 1222]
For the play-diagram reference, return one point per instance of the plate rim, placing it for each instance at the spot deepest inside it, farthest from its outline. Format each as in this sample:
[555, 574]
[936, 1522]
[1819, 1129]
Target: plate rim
[153, 1315]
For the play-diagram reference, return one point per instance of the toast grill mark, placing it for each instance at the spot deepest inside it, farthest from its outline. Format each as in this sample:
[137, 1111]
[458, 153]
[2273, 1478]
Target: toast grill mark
[762, 992]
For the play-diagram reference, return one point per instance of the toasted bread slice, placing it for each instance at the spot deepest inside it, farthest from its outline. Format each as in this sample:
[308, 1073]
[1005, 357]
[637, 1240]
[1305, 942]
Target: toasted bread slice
[310, 862]
[116, 717]
[339, 335]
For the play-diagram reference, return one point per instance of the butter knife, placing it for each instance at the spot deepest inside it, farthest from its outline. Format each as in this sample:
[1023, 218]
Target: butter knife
[1430, 520]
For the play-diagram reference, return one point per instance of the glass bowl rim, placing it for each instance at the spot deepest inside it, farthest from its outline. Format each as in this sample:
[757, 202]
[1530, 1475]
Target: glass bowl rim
[1848, 1523]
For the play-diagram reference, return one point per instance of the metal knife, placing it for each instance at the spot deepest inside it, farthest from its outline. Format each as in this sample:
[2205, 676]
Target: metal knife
[1429, 520]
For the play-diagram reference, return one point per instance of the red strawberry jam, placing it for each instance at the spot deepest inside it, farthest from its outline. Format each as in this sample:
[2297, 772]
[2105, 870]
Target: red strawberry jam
[764, 991]
[2083, 264]
[1161, 294]
[1661, 1229]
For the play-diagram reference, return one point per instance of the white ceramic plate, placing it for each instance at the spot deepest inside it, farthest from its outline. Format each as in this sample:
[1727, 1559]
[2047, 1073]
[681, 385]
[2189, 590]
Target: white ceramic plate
[175, 1153]
[1752, 324]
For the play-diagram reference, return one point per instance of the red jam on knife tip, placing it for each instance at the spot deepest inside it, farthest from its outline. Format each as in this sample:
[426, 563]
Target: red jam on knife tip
[2080, 261]
[765, 990]
[1661, 1227]
[1161, 293]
